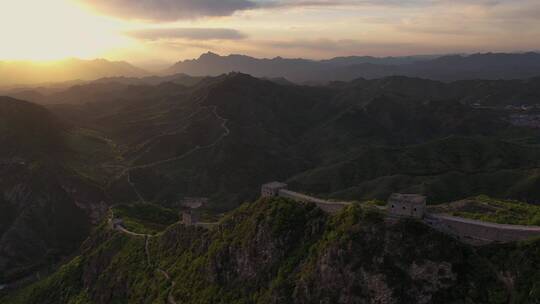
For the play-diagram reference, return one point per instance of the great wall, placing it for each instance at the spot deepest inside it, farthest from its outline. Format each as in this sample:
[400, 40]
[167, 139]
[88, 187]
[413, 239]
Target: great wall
[399, 206]
[414, 207]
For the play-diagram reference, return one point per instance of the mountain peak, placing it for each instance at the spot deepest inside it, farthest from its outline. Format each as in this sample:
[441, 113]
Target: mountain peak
[209, 54]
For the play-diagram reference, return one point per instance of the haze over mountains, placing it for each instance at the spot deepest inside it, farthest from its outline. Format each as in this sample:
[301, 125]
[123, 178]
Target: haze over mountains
[444, 68]
[16, 73]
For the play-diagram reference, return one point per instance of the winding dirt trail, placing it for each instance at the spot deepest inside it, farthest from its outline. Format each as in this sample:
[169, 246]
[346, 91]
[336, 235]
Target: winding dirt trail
[127, 172]
[226, 132]
[141, 198]
[170, 296]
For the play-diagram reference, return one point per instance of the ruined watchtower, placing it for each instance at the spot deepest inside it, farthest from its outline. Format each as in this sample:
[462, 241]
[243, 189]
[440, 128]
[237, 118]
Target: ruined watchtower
[407, 205]
[189, 209]
[272, 189]
[194, 202]
[189, 218]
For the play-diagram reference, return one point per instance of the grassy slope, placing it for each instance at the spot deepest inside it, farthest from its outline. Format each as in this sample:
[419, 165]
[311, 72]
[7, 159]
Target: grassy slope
[145, 218]
[445, 169]
[493, 210]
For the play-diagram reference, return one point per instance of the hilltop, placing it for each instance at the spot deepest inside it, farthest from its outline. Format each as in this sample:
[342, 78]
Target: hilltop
[29, 130]
[279, 251]
[48, 206]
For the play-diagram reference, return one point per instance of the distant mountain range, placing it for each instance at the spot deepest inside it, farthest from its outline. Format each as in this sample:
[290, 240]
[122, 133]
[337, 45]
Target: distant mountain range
[445, 68]
[488, 66]
[23, 72]
[90, 91]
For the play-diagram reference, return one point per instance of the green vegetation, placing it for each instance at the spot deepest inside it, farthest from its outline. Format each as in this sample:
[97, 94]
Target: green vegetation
[93, 156]
[518, 263]
[145, 218]
[488, 209]
[30, 131]
[374, 203]
[46, 199]
[279, 250]
[360, 141]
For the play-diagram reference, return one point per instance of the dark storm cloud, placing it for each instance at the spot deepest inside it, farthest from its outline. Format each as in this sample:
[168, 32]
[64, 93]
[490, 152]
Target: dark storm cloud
[172, 10]
[169, 10]
[187, 34]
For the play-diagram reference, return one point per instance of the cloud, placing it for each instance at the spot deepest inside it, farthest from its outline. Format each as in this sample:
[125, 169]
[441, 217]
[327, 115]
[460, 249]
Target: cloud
[172, 10]
[187, 34]
[168, 10]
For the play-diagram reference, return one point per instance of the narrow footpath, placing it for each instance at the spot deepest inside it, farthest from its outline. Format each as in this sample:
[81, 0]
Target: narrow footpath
[127, 171]
[147, 237]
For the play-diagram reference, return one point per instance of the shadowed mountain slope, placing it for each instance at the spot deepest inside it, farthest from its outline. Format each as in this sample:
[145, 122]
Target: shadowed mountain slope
[47, 207]
[226, 135]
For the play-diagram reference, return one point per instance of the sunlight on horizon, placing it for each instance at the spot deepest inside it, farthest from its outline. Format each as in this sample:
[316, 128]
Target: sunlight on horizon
[52, 30]
[34, 30]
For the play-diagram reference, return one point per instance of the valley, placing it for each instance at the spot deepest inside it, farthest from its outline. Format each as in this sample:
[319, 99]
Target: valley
[269, 152]
[222, 137]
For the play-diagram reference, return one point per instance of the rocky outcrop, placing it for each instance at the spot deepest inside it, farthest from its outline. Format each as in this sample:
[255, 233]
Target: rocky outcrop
[279, 251]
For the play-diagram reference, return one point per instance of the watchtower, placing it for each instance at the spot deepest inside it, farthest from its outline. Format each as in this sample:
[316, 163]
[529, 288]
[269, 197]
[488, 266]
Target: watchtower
[189, 209]
[194, 202]
[189, 218]
[272, 189]
[407, 205]
[117, 223]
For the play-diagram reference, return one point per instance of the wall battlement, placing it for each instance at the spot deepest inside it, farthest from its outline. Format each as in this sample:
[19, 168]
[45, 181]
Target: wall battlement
[406, 205]
[414, 206]
[327, 206]
[478, 232]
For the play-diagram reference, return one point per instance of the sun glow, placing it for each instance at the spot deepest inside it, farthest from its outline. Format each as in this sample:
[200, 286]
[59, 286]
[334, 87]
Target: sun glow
[55, 29]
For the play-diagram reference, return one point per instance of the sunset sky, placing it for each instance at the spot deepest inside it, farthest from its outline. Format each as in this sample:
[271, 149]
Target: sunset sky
[144, 31]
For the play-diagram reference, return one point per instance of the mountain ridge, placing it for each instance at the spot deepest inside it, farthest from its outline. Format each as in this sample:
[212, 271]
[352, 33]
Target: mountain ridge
[47, 206]
[444, 67]
[279, 251]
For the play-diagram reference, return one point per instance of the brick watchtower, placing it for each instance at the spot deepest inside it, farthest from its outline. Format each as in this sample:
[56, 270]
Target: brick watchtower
[272, 189]
[407, 205]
